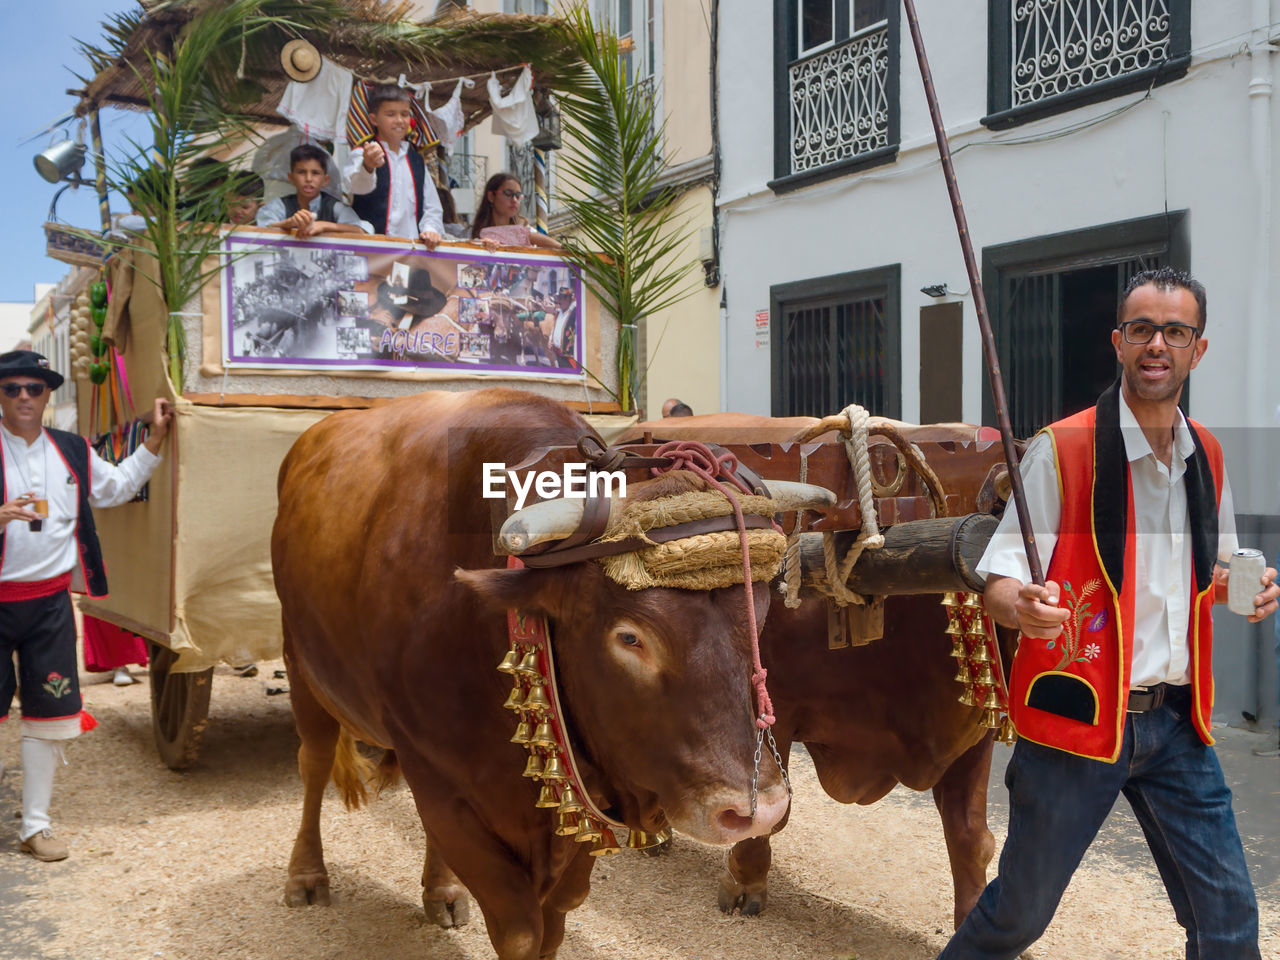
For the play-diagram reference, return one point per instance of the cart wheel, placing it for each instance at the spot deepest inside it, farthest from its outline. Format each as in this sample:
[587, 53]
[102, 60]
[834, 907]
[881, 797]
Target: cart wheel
[179, 708]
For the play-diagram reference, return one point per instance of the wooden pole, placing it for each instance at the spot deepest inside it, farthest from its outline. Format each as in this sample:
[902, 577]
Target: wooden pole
[979, 301]
[100, 165]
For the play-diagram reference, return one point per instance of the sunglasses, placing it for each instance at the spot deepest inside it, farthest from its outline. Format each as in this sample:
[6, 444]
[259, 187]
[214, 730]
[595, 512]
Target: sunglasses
[512, 194]
[14, 390]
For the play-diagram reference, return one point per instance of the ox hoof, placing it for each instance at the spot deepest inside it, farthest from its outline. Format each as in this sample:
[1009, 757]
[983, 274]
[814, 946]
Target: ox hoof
[735, 896]
[447, 913]
[308, 889]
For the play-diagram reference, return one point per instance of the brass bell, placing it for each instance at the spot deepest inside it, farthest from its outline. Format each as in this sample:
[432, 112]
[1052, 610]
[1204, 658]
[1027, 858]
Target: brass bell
[962, 675]
[967, 698]
[1007, 734]
[509, 662]
[980, 654]
[529, 665]
[992, 701]
[951, 599]
[553, 769]
[991, 718]
[976, 628]
[566, 824]
[588, 832]
[958, 649]
[569, 802]
[515, 699]
[954, 628]
[537, 699]
[606, 846]
[972, 600]
[533, 769]
[542, 735]
[521, 736]
[547, 797]
[984, 677]
[639, 840]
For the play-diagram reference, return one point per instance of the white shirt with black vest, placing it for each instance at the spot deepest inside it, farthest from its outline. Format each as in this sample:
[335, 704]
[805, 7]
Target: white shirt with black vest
[39, 468]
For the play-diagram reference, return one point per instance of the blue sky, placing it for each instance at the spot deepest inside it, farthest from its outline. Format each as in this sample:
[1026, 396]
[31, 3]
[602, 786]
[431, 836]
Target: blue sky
[38, 53]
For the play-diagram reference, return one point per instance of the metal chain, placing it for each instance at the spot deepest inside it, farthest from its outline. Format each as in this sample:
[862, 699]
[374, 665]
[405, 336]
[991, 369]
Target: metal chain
[755, 773]
[777, 758]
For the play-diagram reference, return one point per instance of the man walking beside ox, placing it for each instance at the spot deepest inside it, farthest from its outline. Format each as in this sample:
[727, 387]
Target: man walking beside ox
[48, 545]
[1111, 688]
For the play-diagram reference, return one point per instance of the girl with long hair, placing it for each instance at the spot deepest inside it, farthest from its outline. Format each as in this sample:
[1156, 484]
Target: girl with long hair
[498, 221]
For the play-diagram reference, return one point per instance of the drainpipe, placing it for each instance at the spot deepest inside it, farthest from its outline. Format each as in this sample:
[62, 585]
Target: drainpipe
[1257, 414]
[1258, 404]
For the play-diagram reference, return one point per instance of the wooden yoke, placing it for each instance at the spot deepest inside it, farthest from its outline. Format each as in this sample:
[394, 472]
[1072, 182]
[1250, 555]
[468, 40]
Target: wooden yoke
[971, 475]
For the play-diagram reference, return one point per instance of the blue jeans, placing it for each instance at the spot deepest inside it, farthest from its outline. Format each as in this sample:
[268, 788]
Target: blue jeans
[1058, 802]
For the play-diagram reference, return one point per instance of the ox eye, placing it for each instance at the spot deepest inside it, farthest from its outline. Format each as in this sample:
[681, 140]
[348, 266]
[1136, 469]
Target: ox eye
[630, 639]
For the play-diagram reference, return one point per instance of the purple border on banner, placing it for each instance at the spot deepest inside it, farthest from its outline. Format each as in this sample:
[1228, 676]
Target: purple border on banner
[234, 243]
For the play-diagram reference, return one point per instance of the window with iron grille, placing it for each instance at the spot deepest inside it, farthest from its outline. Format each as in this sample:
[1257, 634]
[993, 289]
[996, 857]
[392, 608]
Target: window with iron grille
[835, 88]
[836, 341]
[1046, 56]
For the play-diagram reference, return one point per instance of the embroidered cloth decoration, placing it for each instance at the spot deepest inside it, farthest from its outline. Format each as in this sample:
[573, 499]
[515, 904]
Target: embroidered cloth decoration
[319, 107]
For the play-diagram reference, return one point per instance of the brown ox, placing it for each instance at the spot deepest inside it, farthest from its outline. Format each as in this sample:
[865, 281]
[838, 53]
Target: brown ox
[378, 509]
[871, 717]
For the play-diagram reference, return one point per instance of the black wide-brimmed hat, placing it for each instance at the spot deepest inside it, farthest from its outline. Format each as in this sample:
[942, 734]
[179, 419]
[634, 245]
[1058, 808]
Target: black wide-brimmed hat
[424, 300]
[28, 363]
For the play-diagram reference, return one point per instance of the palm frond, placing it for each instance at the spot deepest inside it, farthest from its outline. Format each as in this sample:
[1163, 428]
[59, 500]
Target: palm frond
[612, 192]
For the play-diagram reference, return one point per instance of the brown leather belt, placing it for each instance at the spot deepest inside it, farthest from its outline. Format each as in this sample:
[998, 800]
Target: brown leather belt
[1145, 699]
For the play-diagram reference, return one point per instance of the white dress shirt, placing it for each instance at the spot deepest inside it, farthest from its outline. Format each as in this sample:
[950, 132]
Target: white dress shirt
[273, 211]
[39, 469]
[1162, 586]
[402, 202]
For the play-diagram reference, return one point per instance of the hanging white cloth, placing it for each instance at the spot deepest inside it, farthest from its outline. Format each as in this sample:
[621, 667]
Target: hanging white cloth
[448, 120]
[513, 114]
[271, 163]
[319, 106]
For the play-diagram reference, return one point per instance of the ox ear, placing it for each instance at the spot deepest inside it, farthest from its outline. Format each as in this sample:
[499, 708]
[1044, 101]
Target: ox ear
[542, 591]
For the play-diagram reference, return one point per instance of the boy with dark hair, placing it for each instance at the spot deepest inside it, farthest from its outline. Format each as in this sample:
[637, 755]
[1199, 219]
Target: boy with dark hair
[310, 211]
[390, 186]
[244, 198]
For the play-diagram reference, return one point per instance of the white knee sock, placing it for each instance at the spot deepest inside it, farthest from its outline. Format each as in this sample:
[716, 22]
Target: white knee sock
[39, 762]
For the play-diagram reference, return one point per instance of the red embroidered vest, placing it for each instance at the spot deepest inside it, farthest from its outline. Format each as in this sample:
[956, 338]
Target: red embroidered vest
[1072, 692]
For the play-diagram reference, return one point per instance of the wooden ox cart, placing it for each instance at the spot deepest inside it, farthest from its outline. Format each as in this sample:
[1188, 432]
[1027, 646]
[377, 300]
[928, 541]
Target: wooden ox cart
[189, 568]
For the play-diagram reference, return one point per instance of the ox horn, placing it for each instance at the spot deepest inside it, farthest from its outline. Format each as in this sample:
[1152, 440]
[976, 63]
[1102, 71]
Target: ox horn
[548, 520]
[790, 495]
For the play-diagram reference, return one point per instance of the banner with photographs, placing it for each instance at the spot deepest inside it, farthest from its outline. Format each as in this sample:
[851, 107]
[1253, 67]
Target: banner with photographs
[349, 304]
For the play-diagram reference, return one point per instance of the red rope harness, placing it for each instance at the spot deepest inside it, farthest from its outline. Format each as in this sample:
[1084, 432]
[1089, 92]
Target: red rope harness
[698, 458]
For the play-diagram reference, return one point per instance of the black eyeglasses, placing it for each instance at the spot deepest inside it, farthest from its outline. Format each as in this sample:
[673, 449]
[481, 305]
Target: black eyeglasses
[512, 194]
[14, 390]
[1139, 332]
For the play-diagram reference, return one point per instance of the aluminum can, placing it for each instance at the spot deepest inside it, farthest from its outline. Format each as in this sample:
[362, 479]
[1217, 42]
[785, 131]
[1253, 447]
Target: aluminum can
[1247, 567]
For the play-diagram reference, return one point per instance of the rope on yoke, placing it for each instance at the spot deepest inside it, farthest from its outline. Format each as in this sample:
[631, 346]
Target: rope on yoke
[697, 458]
[855, 430]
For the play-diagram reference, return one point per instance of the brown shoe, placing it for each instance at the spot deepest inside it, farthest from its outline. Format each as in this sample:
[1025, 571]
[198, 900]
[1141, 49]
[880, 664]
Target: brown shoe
[45, 846]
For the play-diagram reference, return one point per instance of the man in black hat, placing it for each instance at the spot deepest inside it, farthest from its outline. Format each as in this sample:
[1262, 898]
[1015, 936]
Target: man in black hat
[48, 545]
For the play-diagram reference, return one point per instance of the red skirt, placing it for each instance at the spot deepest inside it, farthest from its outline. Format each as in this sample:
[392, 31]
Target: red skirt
[106, 646]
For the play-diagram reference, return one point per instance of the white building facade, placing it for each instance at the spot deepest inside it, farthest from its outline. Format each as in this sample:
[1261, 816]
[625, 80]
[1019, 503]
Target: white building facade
[1092, 140]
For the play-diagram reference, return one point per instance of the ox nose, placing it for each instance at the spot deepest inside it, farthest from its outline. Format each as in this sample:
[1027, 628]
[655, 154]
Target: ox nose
[736, 822]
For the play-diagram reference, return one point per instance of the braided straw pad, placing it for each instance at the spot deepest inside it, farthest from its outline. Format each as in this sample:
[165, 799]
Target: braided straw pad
[702, 562]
